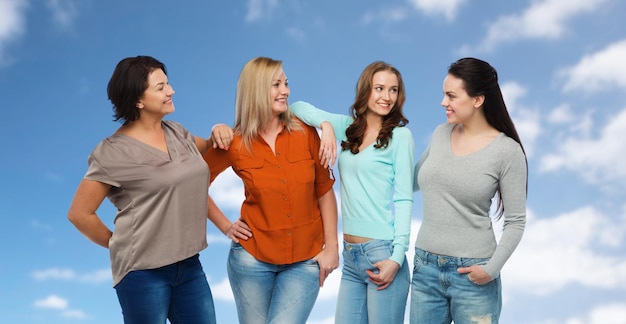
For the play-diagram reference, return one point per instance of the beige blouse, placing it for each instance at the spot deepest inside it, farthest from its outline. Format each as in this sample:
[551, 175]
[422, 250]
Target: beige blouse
[161, 199]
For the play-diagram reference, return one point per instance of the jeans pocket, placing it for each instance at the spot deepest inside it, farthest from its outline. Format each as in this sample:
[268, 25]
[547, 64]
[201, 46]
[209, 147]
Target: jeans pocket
[476, 262]
[418, 262]
[378, 253]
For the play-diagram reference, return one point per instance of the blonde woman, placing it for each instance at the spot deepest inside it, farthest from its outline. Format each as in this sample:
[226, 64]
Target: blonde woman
[285, 240]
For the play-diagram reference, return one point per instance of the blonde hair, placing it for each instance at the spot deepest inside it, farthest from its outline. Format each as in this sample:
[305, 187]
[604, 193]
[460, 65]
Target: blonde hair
[253, 105]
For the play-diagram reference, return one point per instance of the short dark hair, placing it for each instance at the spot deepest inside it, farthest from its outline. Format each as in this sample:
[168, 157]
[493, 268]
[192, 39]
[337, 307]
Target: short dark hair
[128, 83]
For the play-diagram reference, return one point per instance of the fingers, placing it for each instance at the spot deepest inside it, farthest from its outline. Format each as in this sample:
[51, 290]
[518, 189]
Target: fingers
[222, 136]
[464, 270]
[378, 280]
[239, 230]
[328, 156]
[223, 140]
[324, 273]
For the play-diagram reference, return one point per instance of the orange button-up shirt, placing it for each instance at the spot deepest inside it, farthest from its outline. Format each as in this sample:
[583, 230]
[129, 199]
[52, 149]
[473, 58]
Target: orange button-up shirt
[281, 193]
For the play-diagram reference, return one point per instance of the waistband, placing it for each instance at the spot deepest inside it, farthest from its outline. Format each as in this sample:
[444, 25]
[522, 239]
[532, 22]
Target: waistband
[373, 243]
[446, 260]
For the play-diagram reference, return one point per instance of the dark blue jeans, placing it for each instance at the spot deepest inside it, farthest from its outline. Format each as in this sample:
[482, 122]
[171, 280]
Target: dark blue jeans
[178, 292]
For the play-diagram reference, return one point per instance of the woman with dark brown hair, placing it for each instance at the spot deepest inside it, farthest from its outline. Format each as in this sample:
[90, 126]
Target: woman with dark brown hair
[476, 156]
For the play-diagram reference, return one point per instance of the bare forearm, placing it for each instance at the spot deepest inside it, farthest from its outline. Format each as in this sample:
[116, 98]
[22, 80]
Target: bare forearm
[93, 228]
[217, 217]
[202, 144]
[82, 213]
[328, 208]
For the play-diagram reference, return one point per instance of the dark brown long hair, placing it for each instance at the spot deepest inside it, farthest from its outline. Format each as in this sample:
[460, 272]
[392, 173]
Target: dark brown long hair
[356, 131]
[481, 79]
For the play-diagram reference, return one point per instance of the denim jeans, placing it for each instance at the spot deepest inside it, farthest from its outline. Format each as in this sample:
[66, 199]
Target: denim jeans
[359, 301]
[269, 293]
[439, 294]
[178, 292]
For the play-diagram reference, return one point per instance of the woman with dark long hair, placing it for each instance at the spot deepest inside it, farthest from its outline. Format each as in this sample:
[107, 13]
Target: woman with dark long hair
[476, 156]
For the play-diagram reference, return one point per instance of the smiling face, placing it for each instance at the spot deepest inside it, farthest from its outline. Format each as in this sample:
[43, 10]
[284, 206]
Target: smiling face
[157, 98]
[460, 107]
[279, 92]
[384, 93]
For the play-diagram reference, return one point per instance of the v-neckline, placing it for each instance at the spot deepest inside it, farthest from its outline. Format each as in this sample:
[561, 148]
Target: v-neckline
[153, 149]
[471, 153]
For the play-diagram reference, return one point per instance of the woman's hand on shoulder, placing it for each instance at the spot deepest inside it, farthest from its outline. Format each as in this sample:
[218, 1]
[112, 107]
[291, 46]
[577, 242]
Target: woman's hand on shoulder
[221, 136]
[328, 145]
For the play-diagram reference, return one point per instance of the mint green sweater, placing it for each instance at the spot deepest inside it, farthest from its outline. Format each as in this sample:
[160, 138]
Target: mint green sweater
[376, 184]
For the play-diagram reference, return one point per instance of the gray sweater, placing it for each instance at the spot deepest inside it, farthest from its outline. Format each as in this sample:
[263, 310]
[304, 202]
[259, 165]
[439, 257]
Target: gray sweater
[457, 194]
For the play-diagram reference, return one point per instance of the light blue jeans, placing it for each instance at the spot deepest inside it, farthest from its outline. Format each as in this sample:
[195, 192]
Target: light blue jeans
[269, 293]
[359, 301]
[178, 292]
[440, 295]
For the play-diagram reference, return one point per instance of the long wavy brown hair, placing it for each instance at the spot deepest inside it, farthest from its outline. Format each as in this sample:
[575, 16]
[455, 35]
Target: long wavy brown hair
[356, 131]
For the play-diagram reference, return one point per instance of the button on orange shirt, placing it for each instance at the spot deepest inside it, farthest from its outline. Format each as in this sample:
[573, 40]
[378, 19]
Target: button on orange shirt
[281, 193]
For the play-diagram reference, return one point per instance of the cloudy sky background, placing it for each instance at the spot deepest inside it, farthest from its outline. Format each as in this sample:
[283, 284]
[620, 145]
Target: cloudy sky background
[562, 70]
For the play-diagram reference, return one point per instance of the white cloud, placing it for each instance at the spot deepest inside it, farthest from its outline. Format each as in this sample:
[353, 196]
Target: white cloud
[217, 239]
[329, 320]
[63, 11]
[61, 304]
[54, 273]
[227, 190]
[598, 160]
[571, 245]
[12, 24]
[331, 284]
[603, 70]
[561, 115]
[446, 8]
[97, 276]
[385, 15]
[527, 120]
[614, 313]
[527, 124]
[542, 20]
[74, 313]
[53, 302]
[258, 9]
[512, 92]
[222, 290]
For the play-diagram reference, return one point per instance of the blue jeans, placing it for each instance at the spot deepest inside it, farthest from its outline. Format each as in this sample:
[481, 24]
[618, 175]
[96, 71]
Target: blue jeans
[178, 292]
[439, 294]
[359, 301]
[270, 293]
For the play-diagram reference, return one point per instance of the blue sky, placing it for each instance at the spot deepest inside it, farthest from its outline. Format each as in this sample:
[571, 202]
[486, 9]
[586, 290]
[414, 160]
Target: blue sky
[562, 70]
